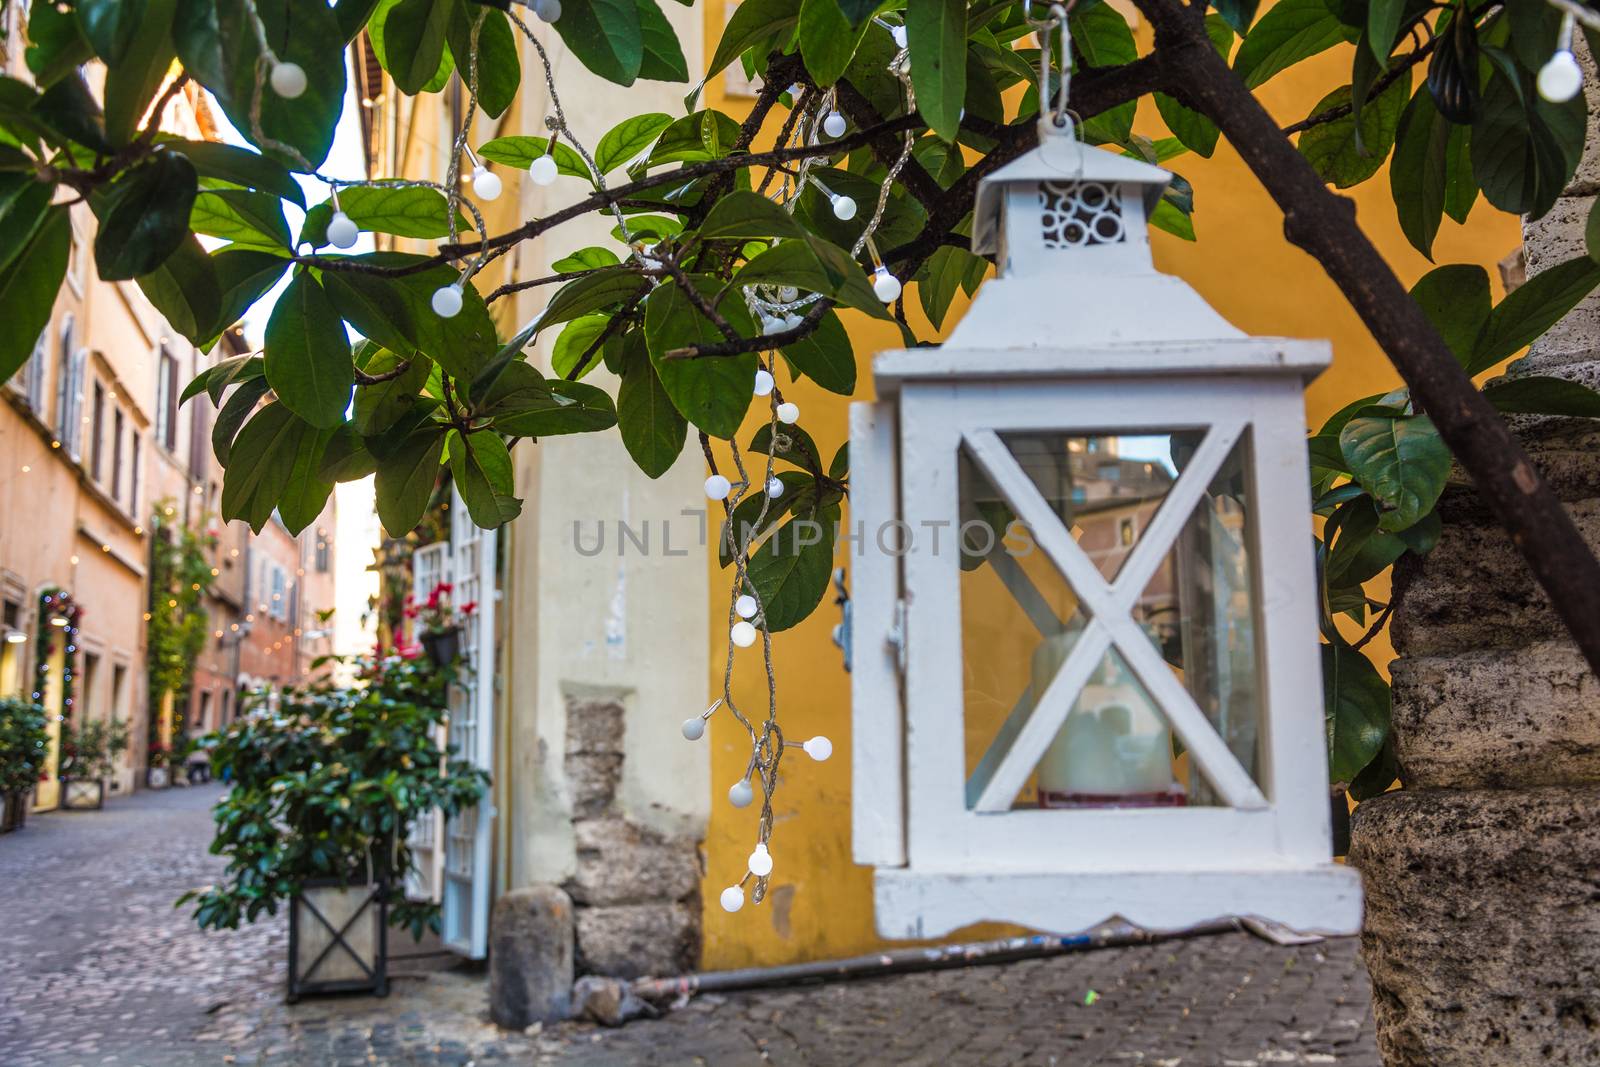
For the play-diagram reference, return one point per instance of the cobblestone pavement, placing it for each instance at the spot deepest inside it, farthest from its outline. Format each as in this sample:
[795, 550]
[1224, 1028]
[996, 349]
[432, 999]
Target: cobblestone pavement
[96, 967]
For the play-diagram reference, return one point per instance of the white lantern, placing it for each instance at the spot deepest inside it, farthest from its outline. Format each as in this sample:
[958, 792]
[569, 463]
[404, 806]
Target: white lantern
[1086, 676]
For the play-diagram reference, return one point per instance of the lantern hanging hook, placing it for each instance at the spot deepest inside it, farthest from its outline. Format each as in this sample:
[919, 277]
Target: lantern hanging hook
[1058, 119]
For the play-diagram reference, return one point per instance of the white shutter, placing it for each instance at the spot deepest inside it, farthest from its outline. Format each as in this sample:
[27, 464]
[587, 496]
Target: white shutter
[429, 565]
[467, 841]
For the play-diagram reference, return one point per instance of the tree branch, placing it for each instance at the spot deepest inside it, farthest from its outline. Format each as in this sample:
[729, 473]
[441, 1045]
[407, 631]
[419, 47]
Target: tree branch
[1323, 224]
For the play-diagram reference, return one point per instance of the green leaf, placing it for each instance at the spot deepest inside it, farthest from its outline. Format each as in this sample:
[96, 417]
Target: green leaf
[250, 491]
[28, 289]
[131, 82]
[405, 479]
[1537, 395]
[308, 355]
[1401, 460]
[712, 393]
[663, 56]
[410, 40]
[70, 109]
[1591, 234]
[397, 313]
[1456, 300]
[1236, 14]
[380, 405]
[353, 16]
[1356, 708]
[306, 492]
[239, 215]
[586, 259]
[216, 40]
[818, 266]
[826, 356]
[794, 446]
[241, 167]
[24, 204]
[629, 138]
[606, 37]
[405, 211]
[936, 34]
[243, 275]
[752, 22]
[110, 26]
[519, 151]
[592, 292]
[749, 526]
[481, 467]
[1198, 133]
[499, 68]
[233, 413]
[1532, 308]
[144, 217]
[569, 407]
[827, 39]
[1346, 152]
[939, 280]
[574, 341]
[1523, 148]
[185, 289]
[742, 214]
[1290, 31]
[790, 570]
[1418, 173]
[694, 138]
[652, 430]
[1383, 26]
[1376, 778]
[56, 46]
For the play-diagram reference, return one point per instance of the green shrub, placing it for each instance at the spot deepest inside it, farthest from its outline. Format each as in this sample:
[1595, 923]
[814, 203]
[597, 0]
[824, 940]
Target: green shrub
[24, 744]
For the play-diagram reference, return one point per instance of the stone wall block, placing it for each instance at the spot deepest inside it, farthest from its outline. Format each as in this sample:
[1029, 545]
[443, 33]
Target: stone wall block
[634, 940]
[594, 726]
[1586, 179]
[621, 863]
[1529, 716]
[1552, 239]
[1483, 925]
[531, 953]
[1474, 592]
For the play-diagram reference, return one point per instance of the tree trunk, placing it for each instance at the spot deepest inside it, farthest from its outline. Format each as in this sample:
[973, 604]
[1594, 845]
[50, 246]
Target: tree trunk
[1483, 921]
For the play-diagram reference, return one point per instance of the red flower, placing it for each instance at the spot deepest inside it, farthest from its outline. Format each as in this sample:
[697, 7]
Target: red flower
[409, 651]
[411, 613]
[469, 607]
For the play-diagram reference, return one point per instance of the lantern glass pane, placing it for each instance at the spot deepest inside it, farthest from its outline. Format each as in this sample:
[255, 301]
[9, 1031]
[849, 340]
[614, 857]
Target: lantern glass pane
[1115, 745]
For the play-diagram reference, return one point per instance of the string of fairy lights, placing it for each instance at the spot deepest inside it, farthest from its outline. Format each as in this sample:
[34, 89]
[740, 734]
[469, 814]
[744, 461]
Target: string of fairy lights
[774, 308]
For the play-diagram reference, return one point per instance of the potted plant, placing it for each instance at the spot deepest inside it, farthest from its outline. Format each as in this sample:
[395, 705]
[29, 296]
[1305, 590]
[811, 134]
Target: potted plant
[325, 790]
[24, 747]
[438, 624]
[156, 772]
[88, 757]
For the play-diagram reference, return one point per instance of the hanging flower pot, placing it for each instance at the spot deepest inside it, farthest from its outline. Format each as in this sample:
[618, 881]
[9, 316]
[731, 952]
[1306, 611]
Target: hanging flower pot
[442, 647]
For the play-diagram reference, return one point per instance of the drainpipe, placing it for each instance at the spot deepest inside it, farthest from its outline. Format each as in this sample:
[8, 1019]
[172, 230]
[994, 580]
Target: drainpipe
[907, 960]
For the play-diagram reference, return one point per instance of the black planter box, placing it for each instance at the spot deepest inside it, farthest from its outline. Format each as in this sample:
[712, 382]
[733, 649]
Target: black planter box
[443, 647]
[83, 794]
[13, 811]
[338, 939]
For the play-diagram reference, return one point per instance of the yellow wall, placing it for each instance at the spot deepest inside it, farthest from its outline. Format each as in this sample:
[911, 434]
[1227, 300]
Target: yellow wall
[820, 904]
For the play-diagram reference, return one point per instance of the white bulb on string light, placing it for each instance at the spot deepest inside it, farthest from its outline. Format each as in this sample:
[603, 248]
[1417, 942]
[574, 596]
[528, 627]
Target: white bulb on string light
[760, 861]
[342, 230]
[717, 487]
[732, 898]
[899, 35]
[833, 125]
[548, 10]
[485, 183]
[764, 382]
[770, 325]
[885, 285]
[543, 170]
[844, 208]
[746, 606]
[447, 301]
[740, 795]
[793, 321]
[788, 293]
[1561, 78]
[288, 80]
[743, 634]
[694, 728]
[788, 413]
[774, 488]
[818, 748]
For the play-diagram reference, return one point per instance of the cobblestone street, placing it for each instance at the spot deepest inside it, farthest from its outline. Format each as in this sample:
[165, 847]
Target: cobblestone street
[100, 969]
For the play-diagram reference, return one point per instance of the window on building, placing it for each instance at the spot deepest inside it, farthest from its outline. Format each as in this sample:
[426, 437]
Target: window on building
[324, 553]
[167, 400]
[1126, 532]
[87, 696]
[97, 433]
[1110, 472]
[119, 691]
[206, 724]
[278, 605]
[225, 715]
[116, 454]
[69, 391]
[133, 474]
[32, 381]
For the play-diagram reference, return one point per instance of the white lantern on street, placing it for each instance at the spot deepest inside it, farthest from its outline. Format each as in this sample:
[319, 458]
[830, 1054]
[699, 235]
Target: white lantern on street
[1086, 675]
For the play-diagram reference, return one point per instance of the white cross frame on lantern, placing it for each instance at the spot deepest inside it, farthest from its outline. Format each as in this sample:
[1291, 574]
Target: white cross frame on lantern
[956, 825]
[1030, 727]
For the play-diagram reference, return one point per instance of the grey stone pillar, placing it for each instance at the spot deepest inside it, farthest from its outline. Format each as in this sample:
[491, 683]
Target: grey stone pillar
[530, 957]
[1483, 876]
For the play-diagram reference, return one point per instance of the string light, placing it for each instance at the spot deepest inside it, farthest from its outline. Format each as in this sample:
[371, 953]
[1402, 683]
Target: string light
[342, 230]
[543, 169]
[694, 727]
[743, 634]
[741, 794]
[485, 183]
[746, 607]
[718, 487]
[764, 382]
[774, 487]
[788, 413]
[1561, 78]
[447, 301]
[732, 898]
[834, 125]
[886, 285]
[760, 861]
[288, 80]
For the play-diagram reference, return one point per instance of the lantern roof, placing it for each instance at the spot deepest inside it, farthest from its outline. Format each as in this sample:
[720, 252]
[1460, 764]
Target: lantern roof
[1060, 157]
